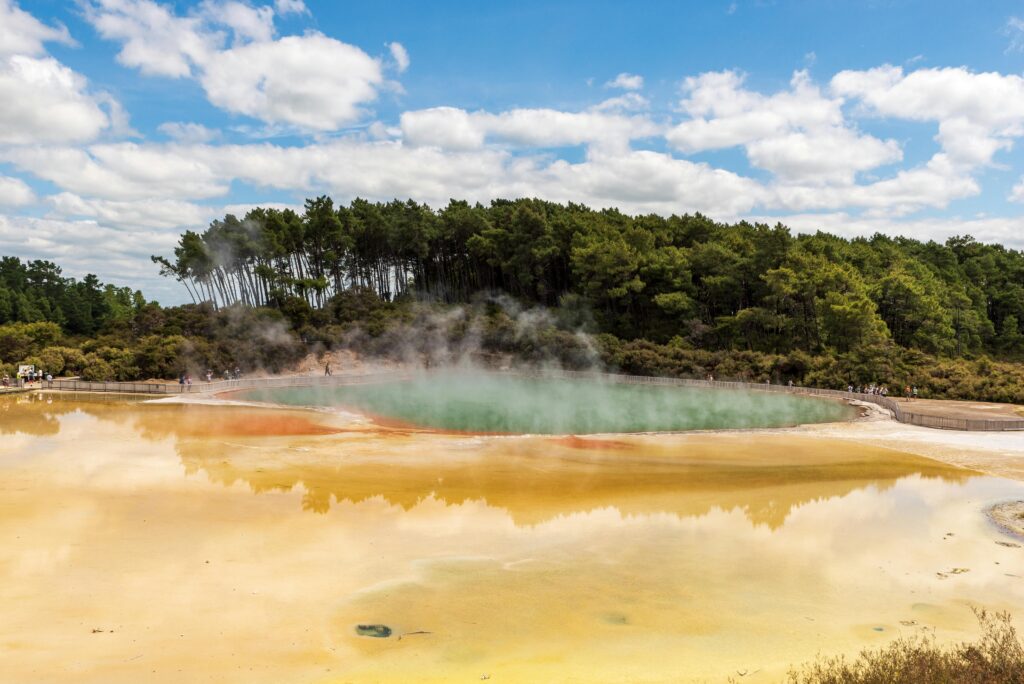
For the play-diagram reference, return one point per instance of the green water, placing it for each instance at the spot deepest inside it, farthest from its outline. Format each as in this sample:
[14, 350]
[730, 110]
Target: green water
[482, 402]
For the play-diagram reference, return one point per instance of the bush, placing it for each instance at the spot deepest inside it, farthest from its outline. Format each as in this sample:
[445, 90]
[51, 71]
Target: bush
[96, 369]
[996, 658]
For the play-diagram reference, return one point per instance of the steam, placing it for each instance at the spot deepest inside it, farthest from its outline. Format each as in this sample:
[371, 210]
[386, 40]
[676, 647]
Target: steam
[494, 332]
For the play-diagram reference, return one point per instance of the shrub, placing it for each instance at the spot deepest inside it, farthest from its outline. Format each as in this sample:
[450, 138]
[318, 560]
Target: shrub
[996, 658]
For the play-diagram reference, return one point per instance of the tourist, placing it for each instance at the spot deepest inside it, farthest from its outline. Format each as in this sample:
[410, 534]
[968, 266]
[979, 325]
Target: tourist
[327, 369]
[238, 373]
[914, 392]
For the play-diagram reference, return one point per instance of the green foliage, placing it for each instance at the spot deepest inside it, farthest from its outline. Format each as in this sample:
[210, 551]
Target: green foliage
[739, 287]
[20, 340]
[682, 295]
[36, 291]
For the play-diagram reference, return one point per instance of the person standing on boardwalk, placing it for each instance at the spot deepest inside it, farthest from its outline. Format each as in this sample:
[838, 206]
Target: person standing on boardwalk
[327, 369]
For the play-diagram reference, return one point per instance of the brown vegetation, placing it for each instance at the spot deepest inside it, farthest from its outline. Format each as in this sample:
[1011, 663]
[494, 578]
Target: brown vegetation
[997, 657]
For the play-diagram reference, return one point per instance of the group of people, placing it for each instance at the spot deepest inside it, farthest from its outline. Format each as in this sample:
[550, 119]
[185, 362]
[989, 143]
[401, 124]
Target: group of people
[879, 390]
[236, 374]
[30, 376]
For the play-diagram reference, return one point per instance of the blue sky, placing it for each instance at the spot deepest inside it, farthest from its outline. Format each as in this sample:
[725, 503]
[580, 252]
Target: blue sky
[126, 121]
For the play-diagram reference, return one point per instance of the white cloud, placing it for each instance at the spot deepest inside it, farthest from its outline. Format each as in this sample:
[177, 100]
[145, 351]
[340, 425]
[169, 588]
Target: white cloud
[1007, 231]
[446, 127]
[23, 34]
[800, 135]
[150, 213]
[43, 101]
[290, 7]
[81, 247]
[122, 171]
[643, 181]
[400, 55]
[453, 128]
[188, 132]
[14, 192]
[934, 184]
[626, 82]
[246, 22]
[1015, 30]
[627, 102]
[1017, 192]
[309, 81]
[725, 114]
[978, 113]
[832, 156]
[154, 39]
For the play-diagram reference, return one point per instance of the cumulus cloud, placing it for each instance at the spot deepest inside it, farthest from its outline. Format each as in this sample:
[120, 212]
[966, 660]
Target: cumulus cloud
[453, 128]
[43, 101]
[626, 82]
[799, 134]
[933, 184]
[246, 22]
[14, 192]
[833, 155]
[978, 113]
[725, 114]
[1017, 192]
[150, 213]
[310, 81]
[153, 38]
[85, 246]
[121, 171]
[23, 34]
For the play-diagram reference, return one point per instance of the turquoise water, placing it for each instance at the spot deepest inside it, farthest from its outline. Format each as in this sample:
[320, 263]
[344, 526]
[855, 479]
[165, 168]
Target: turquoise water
[483, 402]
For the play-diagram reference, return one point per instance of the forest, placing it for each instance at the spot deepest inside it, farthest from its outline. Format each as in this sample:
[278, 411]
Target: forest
[678, 295]
[716, 286]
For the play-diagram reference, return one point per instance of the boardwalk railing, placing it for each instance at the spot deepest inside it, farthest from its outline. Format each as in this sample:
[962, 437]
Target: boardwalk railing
[899, 411]
[217, 386]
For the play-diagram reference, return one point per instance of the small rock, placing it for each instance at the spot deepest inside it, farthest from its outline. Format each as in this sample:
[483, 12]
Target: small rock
[376, 631]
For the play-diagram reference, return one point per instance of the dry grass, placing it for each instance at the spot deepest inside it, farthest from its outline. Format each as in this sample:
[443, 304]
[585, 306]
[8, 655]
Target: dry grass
[997, 657]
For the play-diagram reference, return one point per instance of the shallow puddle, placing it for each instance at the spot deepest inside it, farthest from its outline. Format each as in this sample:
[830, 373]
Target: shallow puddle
[182, 543]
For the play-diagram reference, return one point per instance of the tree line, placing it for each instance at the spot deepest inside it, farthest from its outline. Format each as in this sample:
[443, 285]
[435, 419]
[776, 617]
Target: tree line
[37, 291]
[682, 278]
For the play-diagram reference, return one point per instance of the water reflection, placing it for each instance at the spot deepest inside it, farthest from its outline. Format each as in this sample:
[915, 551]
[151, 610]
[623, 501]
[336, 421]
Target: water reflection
[671, 558]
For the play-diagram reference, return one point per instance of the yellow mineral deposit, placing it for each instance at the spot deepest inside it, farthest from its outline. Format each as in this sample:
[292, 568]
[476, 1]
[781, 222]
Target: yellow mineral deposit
[141, 542]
